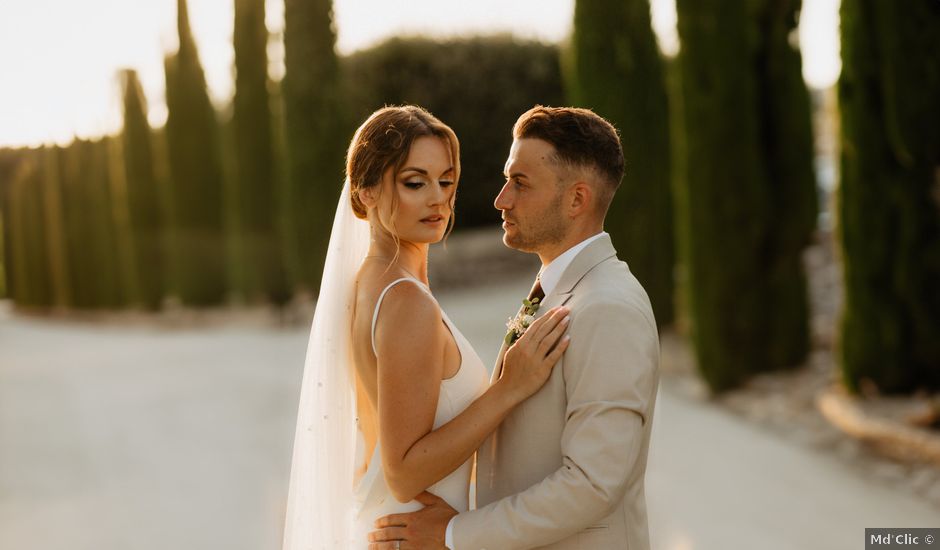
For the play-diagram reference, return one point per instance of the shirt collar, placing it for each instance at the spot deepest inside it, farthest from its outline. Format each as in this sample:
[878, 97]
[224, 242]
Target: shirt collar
[550, 275]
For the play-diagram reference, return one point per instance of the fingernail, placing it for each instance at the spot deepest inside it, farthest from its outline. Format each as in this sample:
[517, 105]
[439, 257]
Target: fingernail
[566, 338]
[566, 319]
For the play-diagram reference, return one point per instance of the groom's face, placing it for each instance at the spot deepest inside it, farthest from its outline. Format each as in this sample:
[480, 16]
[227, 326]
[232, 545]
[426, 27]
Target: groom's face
[531, 199]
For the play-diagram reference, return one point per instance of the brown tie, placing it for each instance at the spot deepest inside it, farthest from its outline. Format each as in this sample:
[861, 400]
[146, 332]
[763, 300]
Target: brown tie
[537, 291]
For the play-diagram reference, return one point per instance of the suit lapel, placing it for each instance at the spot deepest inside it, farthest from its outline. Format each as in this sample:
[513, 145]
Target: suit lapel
[585, 261]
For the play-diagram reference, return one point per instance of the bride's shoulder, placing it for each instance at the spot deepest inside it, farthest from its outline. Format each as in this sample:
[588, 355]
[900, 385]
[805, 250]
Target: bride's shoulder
[402, 295]
[406, 305]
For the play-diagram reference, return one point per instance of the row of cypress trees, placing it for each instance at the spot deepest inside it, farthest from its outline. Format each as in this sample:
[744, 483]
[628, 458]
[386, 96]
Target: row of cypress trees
[719, 170]
[743, 194]
[67, 235]
[719, 174]
[239, 206]
[171, 211]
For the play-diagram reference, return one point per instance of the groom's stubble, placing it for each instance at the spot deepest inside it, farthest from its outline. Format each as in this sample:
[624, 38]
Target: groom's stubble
[535, 230]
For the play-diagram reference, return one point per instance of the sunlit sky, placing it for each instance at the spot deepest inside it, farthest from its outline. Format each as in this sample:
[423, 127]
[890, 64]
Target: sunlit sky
[59, 58]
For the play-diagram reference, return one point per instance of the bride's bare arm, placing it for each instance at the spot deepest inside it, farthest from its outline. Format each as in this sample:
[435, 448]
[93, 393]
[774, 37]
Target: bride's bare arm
[410, 344]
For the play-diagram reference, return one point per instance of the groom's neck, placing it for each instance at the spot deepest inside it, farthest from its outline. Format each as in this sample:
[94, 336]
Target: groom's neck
[549, 252]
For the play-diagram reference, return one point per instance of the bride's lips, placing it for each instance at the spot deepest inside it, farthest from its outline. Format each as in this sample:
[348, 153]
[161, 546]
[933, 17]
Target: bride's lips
[433, 220]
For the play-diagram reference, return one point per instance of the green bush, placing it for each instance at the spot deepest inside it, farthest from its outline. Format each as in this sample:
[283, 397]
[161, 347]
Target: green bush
[479, 86]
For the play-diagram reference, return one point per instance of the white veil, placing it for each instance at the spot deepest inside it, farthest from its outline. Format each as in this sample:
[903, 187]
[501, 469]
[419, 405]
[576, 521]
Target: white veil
[320, 501]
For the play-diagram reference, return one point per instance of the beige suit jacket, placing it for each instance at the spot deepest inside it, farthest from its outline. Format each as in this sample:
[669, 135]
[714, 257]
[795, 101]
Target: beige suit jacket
[565, 470]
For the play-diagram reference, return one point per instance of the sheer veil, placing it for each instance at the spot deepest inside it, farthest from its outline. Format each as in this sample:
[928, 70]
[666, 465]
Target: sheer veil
[320, 501]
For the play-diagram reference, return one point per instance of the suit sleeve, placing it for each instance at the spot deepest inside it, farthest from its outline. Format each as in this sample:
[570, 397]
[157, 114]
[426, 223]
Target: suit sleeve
[610, 380]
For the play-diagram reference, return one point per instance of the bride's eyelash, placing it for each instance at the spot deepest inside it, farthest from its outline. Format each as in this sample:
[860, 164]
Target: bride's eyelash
[419, 184]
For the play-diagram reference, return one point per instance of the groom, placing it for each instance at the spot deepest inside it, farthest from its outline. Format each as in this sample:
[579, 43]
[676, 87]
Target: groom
[565, 470]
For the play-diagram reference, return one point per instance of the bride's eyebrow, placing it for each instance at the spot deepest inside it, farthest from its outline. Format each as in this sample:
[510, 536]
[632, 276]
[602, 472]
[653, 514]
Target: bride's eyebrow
[421, 171]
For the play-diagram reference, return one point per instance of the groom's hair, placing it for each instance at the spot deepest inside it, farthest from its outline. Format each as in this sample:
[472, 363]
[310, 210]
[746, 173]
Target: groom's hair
[582, 140]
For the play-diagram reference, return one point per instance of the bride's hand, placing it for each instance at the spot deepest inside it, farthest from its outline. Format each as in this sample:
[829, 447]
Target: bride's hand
[529, 361]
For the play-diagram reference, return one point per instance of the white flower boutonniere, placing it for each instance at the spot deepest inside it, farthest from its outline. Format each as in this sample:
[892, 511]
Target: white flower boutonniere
[518, 325]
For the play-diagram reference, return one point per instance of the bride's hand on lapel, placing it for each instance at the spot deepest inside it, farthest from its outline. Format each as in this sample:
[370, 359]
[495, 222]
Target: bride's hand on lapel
[529, 361]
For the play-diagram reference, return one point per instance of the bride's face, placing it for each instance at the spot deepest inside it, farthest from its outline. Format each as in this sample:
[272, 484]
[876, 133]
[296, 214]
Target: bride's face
[424, 189]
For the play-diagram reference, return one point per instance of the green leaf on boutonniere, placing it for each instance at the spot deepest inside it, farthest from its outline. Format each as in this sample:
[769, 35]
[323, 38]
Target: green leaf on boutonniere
[527, 304]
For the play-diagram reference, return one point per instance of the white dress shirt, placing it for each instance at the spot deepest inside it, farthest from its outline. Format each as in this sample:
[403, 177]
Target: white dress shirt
[549, 276]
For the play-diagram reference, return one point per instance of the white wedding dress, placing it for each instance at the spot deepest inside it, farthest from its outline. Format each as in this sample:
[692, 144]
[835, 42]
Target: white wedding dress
[329, 506]
[372, 495]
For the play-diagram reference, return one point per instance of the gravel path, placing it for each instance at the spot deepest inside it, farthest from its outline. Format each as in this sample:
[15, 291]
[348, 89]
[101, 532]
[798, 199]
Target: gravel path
[134, 435]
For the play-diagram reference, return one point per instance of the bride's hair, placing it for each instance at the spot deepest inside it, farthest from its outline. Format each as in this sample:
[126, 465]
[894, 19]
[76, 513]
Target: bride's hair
[384, 141]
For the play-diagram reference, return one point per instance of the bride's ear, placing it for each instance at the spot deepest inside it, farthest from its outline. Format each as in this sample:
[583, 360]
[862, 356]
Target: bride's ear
[368, 196]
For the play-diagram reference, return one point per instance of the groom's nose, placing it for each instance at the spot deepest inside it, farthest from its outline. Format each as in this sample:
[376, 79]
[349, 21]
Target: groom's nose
[502, 201]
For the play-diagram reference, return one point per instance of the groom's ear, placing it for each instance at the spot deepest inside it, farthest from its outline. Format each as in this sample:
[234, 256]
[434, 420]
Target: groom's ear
[580, 198]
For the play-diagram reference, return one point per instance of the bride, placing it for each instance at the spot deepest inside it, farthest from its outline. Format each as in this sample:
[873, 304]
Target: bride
[394, 400]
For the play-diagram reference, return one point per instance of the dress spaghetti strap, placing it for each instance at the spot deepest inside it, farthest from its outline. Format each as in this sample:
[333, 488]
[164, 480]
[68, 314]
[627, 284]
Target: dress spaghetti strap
[378, 304]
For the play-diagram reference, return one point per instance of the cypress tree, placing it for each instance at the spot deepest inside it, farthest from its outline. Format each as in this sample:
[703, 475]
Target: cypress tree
[31, 278]
[92, 241]
[79, 241]
[10, 161]
[125, 263]
[4, 249]
[100, 251]
[613, 67]
[889, 226]
[146, 216]
[50, 189]
[257, 191]
[745, 200]
[14, 247]
[196, 173]
[787, 143]
[316, 134]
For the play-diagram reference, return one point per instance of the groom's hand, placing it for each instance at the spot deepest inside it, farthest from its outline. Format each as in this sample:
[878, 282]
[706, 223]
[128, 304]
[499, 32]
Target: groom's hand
[421, 530]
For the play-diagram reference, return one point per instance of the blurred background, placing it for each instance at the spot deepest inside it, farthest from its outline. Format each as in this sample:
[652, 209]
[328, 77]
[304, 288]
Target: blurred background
[169, 172]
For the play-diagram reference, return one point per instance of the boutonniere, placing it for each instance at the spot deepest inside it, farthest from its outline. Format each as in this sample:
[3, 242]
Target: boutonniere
[520, 323]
